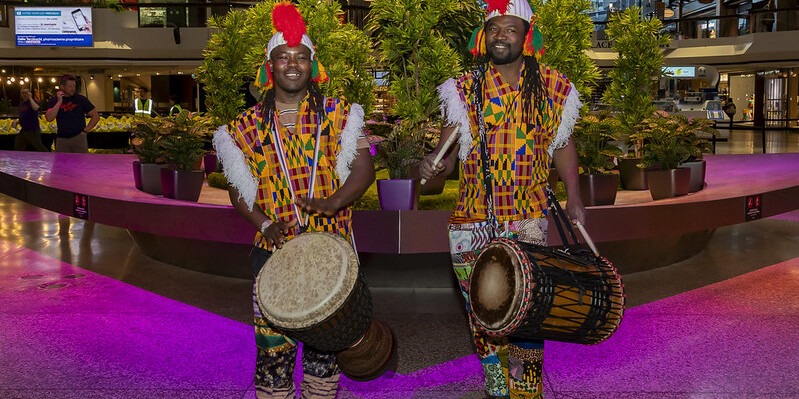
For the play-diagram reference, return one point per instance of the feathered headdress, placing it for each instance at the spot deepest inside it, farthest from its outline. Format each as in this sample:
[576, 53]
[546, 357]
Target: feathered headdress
[533, 43]
[289, 28]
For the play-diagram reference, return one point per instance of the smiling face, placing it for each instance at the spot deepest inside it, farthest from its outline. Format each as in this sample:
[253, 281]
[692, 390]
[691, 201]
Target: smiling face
[291, 68]
[505, 39]
[25, 94]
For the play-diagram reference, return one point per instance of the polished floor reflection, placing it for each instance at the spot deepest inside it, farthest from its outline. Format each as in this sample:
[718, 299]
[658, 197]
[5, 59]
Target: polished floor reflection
[86, 315]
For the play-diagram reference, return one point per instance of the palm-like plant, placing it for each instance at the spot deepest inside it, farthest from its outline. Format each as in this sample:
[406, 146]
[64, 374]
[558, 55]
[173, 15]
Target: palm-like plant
[592, 137]
[638, 41]
[178, 140]
[670, 140]
[416, 43]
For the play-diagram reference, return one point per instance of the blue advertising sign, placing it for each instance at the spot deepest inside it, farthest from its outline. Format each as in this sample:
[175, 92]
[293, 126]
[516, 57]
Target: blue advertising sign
[53, 26]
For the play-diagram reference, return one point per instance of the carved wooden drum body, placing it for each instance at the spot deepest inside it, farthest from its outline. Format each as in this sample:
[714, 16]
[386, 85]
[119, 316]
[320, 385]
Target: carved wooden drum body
[535, 292]
[312, 291]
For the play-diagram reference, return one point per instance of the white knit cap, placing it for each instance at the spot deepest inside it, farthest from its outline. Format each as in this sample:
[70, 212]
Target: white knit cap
[517, 8]
[277, 40]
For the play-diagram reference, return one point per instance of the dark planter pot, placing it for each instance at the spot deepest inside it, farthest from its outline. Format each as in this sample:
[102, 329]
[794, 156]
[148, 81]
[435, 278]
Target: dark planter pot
[137, 174]
[181, 184]
[598, 189]
[147, 176]
[210, 164]
[398, 194]
[698, 169]
[668, 183]
[552, 179]
[632, 177]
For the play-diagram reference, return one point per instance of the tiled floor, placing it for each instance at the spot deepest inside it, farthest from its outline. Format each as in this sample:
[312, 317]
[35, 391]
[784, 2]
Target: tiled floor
[83, 314]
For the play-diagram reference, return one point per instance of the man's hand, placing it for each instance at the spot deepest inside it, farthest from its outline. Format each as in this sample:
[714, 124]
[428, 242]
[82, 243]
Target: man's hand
[60, 95]
[426, 168]
[323, 206]
[276, 233]
[575, 210]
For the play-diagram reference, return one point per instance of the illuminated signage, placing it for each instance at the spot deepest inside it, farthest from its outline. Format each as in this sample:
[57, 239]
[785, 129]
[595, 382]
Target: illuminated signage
[53, 26]
[680, 72]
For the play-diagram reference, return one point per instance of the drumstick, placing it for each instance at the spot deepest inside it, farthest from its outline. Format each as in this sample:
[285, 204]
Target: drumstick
[447, 144]
[587, 238]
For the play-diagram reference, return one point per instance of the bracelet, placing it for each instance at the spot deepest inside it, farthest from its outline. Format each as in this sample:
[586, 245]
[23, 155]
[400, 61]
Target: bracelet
[265, 225]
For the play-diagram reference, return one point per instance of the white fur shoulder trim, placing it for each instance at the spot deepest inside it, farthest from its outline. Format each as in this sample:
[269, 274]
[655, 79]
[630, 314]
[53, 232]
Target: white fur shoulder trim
[236, 170]
[568, 118]
[349, 142]
[455, 112]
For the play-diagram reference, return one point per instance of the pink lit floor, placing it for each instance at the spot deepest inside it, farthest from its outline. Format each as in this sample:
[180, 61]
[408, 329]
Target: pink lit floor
[76, 324]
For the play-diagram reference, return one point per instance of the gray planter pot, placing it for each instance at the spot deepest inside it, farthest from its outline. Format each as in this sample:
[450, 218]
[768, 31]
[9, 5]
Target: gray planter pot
[598, 189]
[698, 169]
[147, 176]
[668, 183]
[398, 194]
[182, 185]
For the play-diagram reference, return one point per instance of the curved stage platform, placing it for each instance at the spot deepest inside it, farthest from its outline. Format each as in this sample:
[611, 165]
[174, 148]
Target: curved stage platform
[209, 236]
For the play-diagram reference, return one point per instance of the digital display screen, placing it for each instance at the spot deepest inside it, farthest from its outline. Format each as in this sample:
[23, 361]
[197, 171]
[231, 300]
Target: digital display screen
[680, 72]
[53, 26]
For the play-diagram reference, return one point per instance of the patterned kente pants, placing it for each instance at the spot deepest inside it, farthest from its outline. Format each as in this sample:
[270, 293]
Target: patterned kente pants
[512, 367]
[277, 354]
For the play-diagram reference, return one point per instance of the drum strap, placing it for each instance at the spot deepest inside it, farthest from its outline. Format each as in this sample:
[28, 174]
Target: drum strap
[485, 156]
[562, 222]
[281, 156]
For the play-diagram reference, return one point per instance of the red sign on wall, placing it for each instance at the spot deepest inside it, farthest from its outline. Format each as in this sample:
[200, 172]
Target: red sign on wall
[754, 207]
[80, 206]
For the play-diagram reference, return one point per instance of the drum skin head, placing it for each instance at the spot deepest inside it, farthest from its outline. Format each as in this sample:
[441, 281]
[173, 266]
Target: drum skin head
[495, 285]
[307, 280]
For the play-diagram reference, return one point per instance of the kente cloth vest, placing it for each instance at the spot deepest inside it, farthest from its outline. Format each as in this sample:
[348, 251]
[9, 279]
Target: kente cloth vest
[254, 139]
[520, 152]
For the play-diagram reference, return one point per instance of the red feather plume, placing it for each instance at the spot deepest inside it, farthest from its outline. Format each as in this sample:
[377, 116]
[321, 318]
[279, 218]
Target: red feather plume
[288, 21]
[499, 5]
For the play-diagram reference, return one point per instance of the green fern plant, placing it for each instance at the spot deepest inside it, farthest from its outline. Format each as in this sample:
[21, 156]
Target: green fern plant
[593, 137]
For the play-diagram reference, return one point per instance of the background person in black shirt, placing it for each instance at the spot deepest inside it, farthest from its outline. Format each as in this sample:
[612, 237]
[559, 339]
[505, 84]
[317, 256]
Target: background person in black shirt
[29, 131]
[70, 110]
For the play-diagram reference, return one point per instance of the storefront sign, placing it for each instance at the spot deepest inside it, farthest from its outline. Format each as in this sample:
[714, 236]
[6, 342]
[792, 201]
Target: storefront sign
[80, 206]
[680, 72]
[53, 26]
[754, 207]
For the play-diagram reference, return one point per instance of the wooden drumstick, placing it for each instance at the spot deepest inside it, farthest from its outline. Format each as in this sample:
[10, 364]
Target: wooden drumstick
[587, 238]
[447, 144]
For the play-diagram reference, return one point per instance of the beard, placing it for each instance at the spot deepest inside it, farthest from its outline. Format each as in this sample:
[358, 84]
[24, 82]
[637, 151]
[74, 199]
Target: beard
[502, 57]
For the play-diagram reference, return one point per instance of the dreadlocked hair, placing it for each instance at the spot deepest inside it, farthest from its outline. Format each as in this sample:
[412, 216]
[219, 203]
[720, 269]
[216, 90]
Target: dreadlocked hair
[316, 101]
[533, 93]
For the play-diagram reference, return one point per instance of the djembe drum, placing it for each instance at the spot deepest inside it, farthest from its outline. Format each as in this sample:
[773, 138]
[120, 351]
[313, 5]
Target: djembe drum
[535, 292]
[311, 290]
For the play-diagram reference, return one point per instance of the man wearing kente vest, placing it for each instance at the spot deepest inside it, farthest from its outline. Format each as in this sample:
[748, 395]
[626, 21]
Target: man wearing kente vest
[268, 154]
[143, 106]
[528, 112]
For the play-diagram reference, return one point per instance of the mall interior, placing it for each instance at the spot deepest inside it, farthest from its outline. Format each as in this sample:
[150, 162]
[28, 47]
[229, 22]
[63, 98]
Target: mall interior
[139, 296]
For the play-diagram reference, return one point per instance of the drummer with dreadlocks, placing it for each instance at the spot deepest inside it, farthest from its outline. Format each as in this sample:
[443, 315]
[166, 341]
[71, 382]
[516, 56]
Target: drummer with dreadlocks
[269, 155]
[526, 112]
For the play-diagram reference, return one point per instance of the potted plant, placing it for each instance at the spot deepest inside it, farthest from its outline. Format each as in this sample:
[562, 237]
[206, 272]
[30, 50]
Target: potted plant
[690, 128]
[595, 153]
[147, 147]
[638, 41]
[417, 40]
[665, 147]
[183, 139]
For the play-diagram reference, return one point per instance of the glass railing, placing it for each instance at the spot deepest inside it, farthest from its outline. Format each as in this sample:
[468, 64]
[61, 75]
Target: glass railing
[712, 27]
